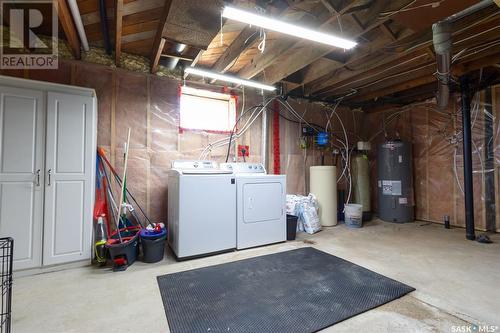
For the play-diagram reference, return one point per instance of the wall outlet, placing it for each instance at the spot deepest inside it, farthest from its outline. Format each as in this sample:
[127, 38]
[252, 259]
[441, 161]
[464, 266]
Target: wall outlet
[243, 151]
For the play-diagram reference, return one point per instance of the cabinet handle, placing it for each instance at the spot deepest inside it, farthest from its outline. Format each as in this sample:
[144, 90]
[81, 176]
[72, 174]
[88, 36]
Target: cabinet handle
[49, 173]
[38, 177]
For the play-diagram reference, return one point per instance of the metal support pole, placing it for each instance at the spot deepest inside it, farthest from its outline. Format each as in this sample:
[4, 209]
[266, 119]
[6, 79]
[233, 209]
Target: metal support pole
[467, 142]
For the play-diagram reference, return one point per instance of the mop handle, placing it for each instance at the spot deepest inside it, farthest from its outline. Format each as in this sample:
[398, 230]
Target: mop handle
[123, 183]
[102, 154]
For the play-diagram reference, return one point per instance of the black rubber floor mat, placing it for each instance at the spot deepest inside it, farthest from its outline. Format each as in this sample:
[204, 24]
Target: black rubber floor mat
[303, 290]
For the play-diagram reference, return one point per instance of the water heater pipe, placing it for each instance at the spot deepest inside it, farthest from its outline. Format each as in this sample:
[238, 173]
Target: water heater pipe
[75, 12]
[467, 144]
[441, 37]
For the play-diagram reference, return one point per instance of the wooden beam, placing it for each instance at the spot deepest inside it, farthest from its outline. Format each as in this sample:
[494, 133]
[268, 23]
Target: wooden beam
[428, 78]
[422, 40]
[360, 7]
[197, 58]
[457, 70]
[329, 6]
[280, 46]
[159, 41]
[156, 55]
[69, 28]
[383, 69]
[388, 32]
[118, 30]
[246, 38]
[302, 54]
[322, 67]
[175, 56]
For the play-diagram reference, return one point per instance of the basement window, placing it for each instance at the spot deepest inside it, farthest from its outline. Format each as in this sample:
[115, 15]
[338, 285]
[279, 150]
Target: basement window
[206, 110]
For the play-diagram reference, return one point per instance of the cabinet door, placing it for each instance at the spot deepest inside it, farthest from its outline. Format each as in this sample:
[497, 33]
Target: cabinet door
[21, 173]
[68, 173]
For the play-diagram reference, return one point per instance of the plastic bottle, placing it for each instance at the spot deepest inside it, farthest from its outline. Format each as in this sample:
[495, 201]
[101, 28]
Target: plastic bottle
[100, 241]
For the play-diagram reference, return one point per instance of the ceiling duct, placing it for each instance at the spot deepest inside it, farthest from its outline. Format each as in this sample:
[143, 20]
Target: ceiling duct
[441, 37]
[442, 40]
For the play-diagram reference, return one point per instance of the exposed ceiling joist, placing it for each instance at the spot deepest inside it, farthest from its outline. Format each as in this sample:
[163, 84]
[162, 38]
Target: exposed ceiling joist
[118, 30]
[159, 41]
[259, 63]
[329, 81]
[418, 79]
[244, 40]
[237, 47]
[287, 64]
[69, 28]
[388, 32]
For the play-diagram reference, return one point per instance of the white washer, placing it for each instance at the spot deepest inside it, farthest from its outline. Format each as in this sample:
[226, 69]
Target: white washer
[201, 209]
[260, 205]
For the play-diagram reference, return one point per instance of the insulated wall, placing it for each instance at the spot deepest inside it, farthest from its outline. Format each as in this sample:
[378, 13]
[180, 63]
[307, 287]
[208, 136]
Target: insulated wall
[437, 153]
[295, 161]
[150, 106]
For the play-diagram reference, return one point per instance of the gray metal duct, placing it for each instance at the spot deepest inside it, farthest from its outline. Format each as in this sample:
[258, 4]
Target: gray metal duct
[441, 37]
[442, 40]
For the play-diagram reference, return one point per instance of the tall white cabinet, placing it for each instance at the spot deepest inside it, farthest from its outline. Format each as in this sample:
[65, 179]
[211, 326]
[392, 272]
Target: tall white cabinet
[47, 170]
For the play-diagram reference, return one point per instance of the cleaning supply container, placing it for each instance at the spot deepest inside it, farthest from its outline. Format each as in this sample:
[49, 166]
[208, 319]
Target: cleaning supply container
[291, 227]
[153, 244]
[124, 253]
[354, 215]
[323, 184]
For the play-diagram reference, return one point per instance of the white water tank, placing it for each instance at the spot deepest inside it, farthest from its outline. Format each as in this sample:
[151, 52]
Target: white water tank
[323, 184]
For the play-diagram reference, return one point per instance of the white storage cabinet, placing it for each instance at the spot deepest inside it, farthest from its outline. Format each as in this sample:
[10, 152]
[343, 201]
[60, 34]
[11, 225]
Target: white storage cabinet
[47, 170]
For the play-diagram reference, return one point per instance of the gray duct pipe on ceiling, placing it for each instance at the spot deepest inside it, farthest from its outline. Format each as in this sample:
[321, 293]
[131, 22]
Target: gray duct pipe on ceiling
[441, 37]
[442, 40]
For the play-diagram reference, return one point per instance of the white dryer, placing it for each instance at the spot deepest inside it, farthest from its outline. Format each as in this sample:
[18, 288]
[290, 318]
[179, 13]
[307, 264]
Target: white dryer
[201, 209]
[260, 205]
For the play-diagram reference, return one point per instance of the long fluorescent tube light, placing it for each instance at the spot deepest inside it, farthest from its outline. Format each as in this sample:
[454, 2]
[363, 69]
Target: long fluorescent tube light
[227, 78]
[285, 28]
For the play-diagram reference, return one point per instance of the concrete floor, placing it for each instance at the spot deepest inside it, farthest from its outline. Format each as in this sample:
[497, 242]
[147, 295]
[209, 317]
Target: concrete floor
[457, 282]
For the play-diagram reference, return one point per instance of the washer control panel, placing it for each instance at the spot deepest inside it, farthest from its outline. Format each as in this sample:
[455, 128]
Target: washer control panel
[195, 165]
[244, 167]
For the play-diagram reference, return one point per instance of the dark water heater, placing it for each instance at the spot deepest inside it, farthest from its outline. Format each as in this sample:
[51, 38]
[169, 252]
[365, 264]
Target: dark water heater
[395, 182]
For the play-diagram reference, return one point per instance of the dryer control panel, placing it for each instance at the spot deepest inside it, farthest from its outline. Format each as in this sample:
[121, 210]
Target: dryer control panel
[239, 168]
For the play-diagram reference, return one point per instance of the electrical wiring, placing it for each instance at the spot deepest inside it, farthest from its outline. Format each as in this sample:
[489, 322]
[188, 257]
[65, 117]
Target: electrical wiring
[432, 4]
[222, 142]
[232, 131]
[235, 135]
[292, 110]
[455, 170]
[314, 126]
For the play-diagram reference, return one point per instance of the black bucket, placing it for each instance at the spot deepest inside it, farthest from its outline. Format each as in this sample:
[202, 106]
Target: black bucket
[153, 250]
[153, 244]
[291, 227]
[127, 250]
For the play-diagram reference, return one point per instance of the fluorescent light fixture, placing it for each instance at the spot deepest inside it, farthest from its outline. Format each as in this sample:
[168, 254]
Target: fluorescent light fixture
[285, 28]
[227, 78]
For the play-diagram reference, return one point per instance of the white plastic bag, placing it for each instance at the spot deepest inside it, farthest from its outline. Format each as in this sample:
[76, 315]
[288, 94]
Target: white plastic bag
[306, 208]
